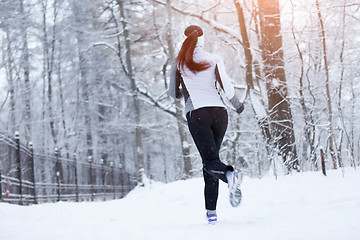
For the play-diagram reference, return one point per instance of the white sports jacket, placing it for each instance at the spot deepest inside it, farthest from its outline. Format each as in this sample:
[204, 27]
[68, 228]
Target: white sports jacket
[199, 89]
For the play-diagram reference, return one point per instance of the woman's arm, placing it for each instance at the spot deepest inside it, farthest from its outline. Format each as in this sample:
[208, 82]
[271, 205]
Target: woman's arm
[174, 86]
[228, 87]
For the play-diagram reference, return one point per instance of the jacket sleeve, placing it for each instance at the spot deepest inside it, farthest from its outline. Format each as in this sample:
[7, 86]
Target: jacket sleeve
[228, 87]
[174, 86]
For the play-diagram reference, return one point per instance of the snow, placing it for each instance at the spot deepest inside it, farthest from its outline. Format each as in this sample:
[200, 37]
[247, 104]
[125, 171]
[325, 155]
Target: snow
[258, 106]
[301, 206]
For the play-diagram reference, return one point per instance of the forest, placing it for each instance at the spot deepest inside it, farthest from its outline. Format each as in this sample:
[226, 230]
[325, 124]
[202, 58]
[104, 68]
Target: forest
[90, 78]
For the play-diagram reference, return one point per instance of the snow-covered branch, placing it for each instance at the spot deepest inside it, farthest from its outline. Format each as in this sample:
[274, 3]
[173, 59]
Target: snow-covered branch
[217, 26]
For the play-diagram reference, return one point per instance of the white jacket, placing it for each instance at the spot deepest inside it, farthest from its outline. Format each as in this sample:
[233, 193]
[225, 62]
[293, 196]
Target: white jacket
[200, 88]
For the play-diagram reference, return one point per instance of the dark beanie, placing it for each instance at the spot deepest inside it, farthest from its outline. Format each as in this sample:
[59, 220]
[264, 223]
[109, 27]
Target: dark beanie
[193, 28]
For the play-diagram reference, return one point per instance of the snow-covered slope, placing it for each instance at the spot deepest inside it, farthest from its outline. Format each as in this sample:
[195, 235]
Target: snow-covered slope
[302, 206]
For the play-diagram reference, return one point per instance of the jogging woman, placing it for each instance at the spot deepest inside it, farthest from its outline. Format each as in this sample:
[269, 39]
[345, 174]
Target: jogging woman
[195, 75]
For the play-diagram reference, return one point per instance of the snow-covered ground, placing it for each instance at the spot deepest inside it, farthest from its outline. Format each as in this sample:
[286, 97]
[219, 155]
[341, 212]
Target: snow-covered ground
[302, 206]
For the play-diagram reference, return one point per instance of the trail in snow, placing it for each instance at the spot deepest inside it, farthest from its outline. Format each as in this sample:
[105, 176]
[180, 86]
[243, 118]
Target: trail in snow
[302, 206]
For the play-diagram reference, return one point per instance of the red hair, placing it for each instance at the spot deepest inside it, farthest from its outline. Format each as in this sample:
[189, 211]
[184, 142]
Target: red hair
[186, 54]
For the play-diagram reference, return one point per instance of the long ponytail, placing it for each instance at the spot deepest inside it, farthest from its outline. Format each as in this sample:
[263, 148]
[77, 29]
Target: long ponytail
[186, 54]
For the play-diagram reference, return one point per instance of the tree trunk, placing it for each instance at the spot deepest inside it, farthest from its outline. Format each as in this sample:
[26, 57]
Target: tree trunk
[10, 78]
[309, 128]
[278, 104]
[178, 106]
[62, 101]
[130, 73]
[246, 45]
[261, 120]
[327, 87]
[26, 67]
[84, 77]
[49, 54]
[350, 141]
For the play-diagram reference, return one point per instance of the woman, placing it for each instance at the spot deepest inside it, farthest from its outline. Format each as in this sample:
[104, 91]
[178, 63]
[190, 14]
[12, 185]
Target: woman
[197, 72]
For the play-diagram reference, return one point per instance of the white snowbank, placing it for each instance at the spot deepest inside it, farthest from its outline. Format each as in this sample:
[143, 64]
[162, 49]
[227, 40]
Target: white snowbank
[302, 206]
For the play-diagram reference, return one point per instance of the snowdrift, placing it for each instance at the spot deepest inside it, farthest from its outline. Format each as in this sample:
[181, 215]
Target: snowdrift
[301, 206]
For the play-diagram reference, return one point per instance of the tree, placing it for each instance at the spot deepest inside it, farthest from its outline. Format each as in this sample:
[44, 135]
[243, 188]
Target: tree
[327, 87]
[309, 126]
[10, 72]
[49, 59]
[81, 22]
[178, 105]
[25, 63]
[130, 74]
[282, 130]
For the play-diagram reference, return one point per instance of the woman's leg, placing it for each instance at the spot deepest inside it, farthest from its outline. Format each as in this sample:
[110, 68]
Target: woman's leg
[207, 127]
[219, 126]
[211, 190]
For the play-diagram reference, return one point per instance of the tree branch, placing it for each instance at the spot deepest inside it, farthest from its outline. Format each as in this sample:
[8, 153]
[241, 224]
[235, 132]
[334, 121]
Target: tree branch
[156, 102]
[215, 25]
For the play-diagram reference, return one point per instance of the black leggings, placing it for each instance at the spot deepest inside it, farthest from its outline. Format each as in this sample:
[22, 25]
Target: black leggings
[207, 126]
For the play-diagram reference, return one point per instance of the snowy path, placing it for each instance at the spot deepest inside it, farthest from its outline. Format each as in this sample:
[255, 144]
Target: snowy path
[303, 206]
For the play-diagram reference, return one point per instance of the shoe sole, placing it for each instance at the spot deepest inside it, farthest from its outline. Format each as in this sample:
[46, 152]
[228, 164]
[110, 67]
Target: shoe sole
[235, 192]
[212, 220]
[235, 200]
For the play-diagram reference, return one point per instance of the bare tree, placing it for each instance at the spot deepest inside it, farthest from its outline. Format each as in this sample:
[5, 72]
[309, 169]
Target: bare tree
[309, 127]
[10, 72]
[80, 16]
[49, 59]
[178, 105]
[278, 103]
[130, 74]
[26, 68]
[327, 87]
[349, 135]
